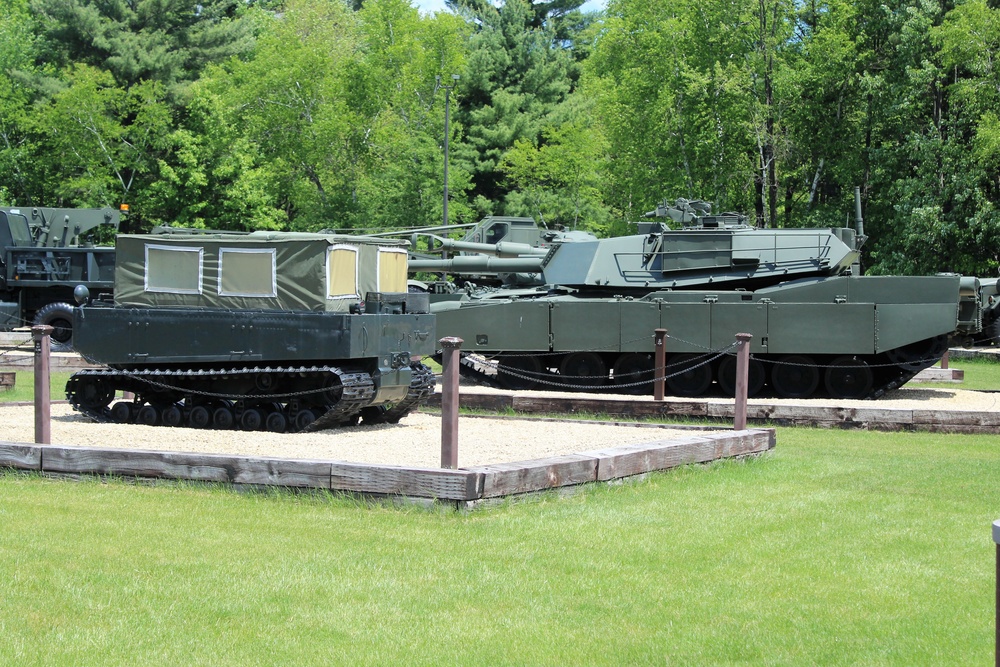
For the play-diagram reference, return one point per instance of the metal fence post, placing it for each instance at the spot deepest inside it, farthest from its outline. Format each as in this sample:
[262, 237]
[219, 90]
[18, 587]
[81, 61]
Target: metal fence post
[996, 538]
[43, 408]
[742, 372]
[659, 362]
[451, 349]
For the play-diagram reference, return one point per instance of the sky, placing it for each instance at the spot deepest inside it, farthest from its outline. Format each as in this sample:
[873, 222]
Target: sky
[429, 6]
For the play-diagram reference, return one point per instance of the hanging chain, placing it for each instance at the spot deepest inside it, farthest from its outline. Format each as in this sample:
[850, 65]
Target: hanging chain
[540, 377]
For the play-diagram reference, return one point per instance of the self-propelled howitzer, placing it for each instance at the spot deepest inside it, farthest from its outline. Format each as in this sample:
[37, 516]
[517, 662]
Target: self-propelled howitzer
[817, 325]
[259, 331]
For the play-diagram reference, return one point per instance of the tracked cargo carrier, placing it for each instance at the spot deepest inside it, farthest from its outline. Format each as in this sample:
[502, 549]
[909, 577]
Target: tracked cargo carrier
[818, 327]
[275, 331]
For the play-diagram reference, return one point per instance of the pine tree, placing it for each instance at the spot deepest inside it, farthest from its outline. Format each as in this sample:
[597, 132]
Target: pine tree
[168, 41]
[516, 76]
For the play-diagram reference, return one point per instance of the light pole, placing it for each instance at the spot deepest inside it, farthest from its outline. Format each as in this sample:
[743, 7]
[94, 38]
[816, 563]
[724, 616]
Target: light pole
[447, 113]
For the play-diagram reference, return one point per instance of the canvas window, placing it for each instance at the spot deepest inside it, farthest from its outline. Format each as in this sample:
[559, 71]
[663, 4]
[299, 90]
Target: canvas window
[247, 272]
[174, 270]
[342, 272]
[391, 270]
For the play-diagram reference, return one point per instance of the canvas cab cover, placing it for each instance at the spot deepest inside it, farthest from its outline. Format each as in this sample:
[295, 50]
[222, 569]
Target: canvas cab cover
[256, 271]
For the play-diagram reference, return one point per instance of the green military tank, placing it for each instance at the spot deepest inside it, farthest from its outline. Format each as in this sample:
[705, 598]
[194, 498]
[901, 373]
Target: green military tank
[275, 331]
[818, 326]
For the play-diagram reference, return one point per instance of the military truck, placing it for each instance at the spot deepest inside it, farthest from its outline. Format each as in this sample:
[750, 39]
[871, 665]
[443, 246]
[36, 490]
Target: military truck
[44, 254]
[266, 330]
[818, 326]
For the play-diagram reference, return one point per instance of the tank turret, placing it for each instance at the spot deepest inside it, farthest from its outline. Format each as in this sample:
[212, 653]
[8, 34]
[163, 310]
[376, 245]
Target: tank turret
[707, 250]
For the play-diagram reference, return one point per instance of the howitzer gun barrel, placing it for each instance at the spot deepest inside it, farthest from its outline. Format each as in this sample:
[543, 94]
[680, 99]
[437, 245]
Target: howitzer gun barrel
[502, 249]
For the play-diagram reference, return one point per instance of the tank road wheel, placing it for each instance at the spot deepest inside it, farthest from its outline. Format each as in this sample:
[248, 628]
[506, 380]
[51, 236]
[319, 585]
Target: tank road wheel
[685, 377]
[199, 417]
[633, 368]
[373, 414]
[93, 393]
[920, 355]
[848, 377]
[510, 370]
[276, 421]
[264, 382]
[794, 376]
[122, 412]
[583, 371]
[305, 417]
[251, 419]
[172, 416]
[59, 316]
[727, 376]
[148, 415]
[223, 417]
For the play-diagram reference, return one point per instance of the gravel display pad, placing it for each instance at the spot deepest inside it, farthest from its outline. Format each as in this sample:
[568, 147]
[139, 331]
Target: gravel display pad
[414, 442]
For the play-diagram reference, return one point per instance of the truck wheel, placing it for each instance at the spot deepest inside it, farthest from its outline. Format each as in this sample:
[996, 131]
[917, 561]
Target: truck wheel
[59, 316]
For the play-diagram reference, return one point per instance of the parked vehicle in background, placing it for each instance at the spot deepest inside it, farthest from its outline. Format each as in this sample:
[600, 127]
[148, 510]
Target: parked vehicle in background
[44, 254]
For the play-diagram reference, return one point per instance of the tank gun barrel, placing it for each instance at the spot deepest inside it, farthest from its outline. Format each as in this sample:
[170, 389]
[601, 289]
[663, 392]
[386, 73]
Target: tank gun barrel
[478, 263]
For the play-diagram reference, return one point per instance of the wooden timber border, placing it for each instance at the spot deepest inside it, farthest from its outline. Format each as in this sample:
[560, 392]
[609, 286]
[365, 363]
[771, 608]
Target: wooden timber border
[462, 488]
[722, 410]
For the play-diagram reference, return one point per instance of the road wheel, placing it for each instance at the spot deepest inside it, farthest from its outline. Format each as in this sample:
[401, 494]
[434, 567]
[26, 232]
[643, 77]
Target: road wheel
[794, 376]
[687, 375]
[518, 372]
[584, 370]
[727, 376]
[848, 377]
[59, 316]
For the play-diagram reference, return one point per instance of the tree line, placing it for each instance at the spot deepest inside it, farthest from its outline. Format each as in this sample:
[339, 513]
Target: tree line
[331, 114]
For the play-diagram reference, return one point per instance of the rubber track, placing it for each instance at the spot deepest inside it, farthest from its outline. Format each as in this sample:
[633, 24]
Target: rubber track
[358, 389]
[421, 387]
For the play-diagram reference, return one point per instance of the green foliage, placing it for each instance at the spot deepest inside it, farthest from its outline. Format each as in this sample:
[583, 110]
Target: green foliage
[673, 93]
[332, 124]
[309, 114]
[169, 41]
[515, 80]
[102, 140]
[558, 182]
[18, 46]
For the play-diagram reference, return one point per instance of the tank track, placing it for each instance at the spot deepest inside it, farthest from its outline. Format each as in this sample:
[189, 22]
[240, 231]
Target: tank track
[886, 376]
[421, 387]
[91, 391]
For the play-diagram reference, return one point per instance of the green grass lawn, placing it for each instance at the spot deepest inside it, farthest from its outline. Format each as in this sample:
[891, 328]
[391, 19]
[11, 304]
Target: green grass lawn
[979, 374]
[24, 387]
[837, 548]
